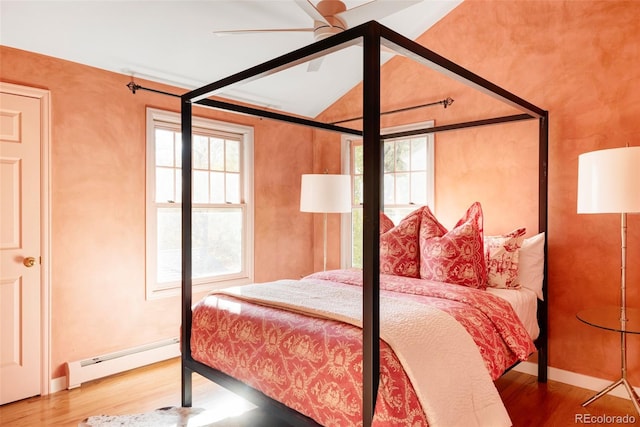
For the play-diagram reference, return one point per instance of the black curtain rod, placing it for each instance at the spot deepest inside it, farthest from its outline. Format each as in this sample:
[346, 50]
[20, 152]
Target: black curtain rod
[445, 103]
[133, 87]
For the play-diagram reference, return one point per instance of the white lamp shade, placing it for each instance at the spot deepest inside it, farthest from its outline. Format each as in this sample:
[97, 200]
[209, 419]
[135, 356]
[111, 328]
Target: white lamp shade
[609, 181]
[325, 193]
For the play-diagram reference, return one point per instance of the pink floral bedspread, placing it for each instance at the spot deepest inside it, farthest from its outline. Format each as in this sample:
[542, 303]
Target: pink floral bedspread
[500, 336]
[314, 365]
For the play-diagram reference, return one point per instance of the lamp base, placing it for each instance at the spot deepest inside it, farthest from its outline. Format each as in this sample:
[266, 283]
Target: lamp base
[632, 393]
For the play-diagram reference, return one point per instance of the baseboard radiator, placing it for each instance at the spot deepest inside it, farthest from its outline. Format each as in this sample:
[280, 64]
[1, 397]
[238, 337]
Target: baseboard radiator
[85, 370]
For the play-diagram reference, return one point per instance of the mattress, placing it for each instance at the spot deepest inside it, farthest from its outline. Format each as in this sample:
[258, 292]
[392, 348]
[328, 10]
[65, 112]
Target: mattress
[525, 303]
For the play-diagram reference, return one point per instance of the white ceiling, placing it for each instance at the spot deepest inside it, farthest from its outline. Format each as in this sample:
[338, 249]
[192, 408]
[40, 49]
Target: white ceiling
[172, 41]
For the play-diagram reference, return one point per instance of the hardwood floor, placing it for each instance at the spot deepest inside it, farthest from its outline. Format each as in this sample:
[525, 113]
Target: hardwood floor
[556, 404]
[528, 402]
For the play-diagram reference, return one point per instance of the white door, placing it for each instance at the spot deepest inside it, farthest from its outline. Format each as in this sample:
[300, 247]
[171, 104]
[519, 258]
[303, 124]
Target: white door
[20, 246]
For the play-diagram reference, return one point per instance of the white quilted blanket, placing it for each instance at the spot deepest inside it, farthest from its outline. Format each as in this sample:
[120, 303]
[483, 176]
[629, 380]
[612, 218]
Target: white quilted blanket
[441, 359]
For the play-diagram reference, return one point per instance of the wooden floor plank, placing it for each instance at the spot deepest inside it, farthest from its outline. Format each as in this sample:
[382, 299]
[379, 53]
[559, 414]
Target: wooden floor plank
[533, 404]
[529, 403]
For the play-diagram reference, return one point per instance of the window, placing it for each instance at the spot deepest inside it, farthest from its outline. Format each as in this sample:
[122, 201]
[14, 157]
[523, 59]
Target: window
[222, 198]
[407, 181]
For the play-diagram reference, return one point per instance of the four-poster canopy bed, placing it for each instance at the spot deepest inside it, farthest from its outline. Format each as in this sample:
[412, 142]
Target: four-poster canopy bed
[371, 36]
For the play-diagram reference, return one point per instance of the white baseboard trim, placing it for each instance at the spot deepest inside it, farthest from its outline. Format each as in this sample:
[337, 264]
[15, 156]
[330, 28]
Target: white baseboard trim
[575, 379]
[58, 384]
[81, 371]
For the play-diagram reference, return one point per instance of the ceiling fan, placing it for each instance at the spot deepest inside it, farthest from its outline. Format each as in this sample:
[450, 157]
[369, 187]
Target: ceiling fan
[332, 17]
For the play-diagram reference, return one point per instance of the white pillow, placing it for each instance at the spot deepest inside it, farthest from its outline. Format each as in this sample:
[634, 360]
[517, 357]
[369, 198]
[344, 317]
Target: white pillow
[531, 264]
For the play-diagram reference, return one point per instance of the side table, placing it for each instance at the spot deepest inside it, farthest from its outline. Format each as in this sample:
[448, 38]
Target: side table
[610, 318]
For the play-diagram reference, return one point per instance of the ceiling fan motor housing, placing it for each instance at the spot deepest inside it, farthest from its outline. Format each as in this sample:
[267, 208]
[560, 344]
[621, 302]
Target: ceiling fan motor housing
[322, 31]
[329, 9]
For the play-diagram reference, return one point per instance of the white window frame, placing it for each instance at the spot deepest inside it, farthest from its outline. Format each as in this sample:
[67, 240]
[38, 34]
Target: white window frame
[346, 141]
[155, 290]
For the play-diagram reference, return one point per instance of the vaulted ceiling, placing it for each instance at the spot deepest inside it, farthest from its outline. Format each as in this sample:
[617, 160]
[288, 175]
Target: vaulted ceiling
[175, 42]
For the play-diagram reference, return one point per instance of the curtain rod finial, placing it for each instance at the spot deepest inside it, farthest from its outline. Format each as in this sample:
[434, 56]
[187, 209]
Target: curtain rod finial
[133, 87]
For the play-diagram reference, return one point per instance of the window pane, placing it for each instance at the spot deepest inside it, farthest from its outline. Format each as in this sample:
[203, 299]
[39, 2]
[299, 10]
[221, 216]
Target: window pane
[178, 148]
[403, 152]
[233, 188]
[217, 187]
[358, 160]
[397, 214]
[164, 185]
[389, 158]
[358, 189]
[169, 248]
[419, 154]
[200, 152]
[217, 241]
[220, 240]
[178, 198]
[217, 154]
[419, 188]
[200, 187]
[402, 189]
[164, 147]
[232, 156]
[389, 186]
[405, 180]
[356, 237]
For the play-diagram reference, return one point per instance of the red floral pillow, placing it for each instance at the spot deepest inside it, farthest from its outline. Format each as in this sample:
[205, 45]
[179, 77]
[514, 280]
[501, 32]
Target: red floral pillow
[399, 250]
[455, 256]
[385, 223]
[430, 226]
[502, 258]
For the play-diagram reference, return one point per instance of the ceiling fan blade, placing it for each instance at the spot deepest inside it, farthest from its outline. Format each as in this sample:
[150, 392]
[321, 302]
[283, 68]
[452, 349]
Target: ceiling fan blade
[373, 11]
[314, 64]
[311, 10]
[266, 30]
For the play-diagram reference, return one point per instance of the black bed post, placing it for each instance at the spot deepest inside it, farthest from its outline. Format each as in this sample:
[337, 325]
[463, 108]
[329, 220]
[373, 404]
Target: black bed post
[543, 311]
[373, 152]
[185, 337]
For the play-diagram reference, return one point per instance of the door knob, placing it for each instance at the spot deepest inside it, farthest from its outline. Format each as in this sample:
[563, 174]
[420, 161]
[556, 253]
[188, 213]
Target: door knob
[29, 261]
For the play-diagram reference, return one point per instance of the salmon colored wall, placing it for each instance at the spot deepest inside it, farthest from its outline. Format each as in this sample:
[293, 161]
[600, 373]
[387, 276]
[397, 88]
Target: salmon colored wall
[580, 60]
[98, 205]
